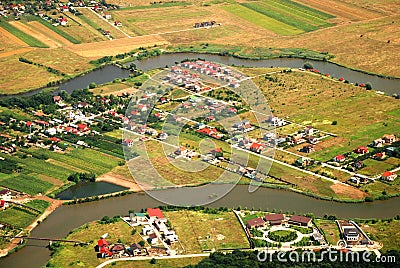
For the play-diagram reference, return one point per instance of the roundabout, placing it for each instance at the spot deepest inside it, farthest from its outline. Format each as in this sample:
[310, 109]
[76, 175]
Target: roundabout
[291, 236]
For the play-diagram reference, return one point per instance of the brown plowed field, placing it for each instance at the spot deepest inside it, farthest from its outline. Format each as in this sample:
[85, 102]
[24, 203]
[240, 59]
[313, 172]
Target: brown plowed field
[116, 46]
[32, 32]
[48, 32]
[12, 37]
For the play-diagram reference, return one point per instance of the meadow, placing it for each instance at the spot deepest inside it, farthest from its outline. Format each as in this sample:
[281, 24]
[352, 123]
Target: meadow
[21, 218]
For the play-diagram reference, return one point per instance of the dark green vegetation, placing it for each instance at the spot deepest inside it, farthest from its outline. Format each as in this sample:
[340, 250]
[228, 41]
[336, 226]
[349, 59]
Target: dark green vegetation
[282, 235]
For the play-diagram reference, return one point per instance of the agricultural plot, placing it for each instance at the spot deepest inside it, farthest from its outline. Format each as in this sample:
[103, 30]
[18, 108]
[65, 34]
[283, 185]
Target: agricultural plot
[261, 20]
[200, 231]
[82, 31]
[27, 184]
[27, 29]
[23, 36]
[159, 20]
[295, 14]
[98, 23]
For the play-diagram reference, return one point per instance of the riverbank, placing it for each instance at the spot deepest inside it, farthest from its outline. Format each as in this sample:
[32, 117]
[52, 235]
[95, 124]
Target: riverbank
[139, 55]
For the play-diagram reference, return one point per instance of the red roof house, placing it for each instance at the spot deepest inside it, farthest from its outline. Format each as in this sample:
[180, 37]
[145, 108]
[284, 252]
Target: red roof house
[389, 176]
[55, 139]
[155, 213]
[339, 158]
[299, 220]
[83, 127]
[256, 147]
[255, 223]
[274, 219]
[361, 150]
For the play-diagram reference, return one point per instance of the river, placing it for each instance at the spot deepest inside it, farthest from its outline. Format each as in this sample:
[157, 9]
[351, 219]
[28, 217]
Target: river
[111, 72]
[66, 218]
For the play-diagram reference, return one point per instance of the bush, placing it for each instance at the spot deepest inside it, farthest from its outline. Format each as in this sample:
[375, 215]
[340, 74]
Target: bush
[308, 65]
[334, 123]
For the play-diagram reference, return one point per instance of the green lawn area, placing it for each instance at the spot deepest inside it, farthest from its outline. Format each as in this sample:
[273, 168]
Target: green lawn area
[21, 35]
[27, 184]
[262, 20]
[198, 230]
[331, 230]
[388, 233]
[117, 134]
[21, 218]
[252, 215]
[376, 167]
[270, 10]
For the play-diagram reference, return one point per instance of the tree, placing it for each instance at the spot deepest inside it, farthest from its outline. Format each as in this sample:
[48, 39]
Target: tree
[368, 86]
[308, 65]
[141, 243]
[92, 85]
[153, 261]
[334, 123]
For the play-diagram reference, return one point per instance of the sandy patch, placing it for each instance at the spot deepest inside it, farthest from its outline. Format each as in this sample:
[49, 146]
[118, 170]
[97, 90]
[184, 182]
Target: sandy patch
[120, 180]
[347, 191]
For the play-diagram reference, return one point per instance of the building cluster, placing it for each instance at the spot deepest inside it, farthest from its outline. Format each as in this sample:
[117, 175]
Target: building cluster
[5, 198]
[215, 71]
[205, 24]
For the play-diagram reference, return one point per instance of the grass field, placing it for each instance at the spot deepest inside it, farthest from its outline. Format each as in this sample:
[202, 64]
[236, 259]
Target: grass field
[388, 233]
[261, 20]
[315, 100]
[200, 231]
[27, 184]
[59, 31]
[331, 230]
[21, 218]
[21, 35]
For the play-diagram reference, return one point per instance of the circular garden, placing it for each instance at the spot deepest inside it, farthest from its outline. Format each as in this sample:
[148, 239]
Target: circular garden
[282, 235]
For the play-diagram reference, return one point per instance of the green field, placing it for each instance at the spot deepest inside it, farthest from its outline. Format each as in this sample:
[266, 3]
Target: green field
[262, 20]
[21, 218]
[21, 35]
[27, 184]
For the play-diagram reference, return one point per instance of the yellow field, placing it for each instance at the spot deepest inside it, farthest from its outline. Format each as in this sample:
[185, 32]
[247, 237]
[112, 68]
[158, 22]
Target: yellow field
[114, 47]
[34, 33]
[47, 32]
[15, 75]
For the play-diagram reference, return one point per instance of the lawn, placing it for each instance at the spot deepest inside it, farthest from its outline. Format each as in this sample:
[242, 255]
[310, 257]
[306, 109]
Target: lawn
[377, 167]
[388, 233]
[85, 256]
[21, 35]
[21, 218]
[261, 20]
[200, 231]
[331, 230]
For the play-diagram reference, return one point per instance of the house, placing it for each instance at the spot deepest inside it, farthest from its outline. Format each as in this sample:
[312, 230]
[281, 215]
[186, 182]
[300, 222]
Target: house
[107, 16]
[181, 151]
[312, 139]
[309, 130]
[57, 99]
[391, 151]
[155, 213]
[232, 110]
[3, 204]
[297, 139]
[118, 23]
[380, 156]
[128, 142]
[55, 139]
[162, 136]
[308, 149]
[210, 118]
[274, 219]
[163, 100]
[147, 229]
[217, 152]
[389, 176]
[389, 138]
[350, 233]
[62, 21]
[355, 180]
[5, 194]
[275, 121]
[153, 239]
[136, 249]
[361, 150]
[255, 223]
[358, 164]
[257, 147]
[83, 128]
[300, 220]
[339, 158]
[378, 143]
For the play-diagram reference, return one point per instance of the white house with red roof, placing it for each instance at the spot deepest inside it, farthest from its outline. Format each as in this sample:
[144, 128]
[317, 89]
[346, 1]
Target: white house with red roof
[63, 21]
[361, 150]
[156, 214]
[83, 128]
[257, 147]
[128, 142]
[389, 176]
[339, 158]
